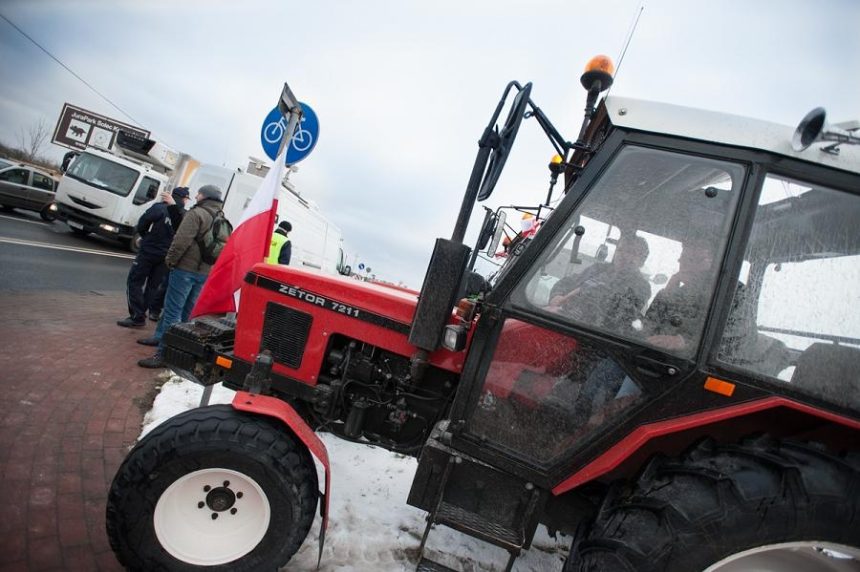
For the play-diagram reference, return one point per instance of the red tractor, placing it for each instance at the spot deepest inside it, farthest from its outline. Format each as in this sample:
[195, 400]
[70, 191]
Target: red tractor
[666, 367]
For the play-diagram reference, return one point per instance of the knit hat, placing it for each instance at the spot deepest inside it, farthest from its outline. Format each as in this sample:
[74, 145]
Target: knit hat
[180, 193]
[210, 192]
[285, 226]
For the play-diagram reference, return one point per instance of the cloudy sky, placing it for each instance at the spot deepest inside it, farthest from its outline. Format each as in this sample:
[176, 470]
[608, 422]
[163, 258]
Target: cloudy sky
[403, 89]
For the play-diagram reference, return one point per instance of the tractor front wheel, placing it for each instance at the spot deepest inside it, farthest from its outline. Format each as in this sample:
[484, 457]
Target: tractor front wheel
[761, 505]
[214, 489]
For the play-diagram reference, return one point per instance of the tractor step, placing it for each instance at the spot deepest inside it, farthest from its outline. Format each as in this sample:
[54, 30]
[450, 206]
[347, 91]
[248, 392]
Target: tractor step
[473, 524]
[429, 566]
[467, 495]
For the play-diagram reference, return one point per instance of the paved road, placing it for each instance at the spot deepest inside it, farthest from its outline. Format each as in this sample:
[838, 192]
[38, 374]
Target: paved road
[72, 398]
[35, 255]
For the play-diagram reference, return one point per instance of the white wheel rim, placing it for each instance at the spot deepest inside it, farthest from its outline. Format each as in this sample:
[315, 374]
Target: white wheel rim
[807, 556]
[190, 533]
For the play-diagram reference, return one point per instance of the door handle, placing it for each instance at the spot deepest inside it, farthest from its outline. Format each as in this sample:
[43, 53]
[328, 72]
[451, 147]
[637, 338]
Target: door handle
[654, 367]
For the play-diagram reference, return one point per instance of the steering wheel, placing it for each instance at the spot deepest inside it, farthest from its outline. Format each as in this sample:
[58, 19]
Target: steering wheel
[499, 154]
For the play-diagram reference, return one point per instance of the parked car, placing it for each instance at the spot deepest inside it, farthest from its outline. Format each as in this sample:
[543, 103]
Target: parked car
[27, 188]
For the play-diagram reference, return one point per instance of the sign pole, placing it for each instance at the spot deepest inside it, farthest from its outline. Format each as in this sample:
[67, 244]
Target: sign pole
[288, 104]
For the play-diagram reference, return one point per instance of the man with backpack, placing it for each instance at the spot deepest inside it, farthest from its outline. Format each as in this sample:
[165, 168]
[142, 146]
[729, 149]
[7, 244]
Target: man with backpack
[195, 246]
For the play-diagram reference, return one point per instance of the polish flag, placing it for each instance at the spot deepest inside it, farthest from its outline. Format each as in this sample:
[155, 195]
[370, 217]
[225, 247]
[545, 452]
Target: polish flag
[248, 245]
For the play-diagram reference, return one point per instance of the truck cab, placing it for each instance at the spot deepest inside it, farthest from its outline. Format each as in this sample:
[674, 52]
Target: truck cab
[104, 194]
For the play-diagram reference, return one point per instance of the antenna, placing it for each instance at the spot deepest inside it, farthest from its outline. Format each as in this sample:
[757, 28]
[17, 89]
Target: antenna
[630, 32]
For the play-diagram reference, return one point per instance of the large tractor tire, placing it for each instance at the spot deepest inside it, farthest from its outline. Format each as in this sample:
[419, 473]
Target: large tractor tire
[761, 505]
[212, 489]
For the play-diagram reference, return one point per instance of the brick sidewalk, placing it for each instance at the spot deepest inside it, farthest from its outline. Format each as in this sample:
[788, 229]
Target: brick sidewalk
[72, 403]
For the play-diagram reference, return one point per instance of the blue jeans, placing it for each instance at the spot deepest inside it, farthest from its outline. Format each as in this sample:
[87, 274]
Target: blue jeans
[183, 287]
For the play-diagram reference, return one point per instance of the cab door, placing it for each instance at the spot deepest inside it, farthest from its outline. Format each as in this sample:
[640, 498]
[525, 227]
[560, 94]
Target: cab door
[606, 308]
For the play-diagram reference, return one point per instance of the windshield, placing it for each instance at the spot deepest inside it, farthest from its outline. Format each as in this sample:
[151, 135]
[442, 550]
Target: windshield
[638, 258]
[103, 174]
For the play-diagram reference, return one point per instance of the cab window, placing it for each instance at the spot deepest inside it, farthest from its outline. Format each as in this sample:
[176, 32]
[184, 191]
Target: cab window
[638, 259]
[103, 174]
[794, 314]
[146, 191]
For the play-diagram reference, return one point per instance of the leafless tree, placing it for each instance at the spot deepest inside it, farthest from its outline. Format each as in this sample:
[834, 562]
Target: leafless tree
[33, 139]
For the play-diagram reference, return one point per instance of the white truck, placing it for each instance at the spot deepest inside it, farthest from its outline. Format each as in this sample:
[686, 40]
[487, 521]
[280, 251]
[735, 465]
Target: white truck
[105, 193]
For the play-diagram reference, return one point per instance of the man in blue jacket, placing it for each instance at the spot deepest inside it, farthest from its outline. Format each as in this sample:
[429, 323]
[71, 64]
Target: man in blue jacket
[146, 278]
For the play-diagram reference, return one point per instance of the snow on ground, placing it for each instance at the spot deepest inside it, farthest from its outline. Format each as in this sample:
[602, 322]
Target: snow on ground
[371, 528]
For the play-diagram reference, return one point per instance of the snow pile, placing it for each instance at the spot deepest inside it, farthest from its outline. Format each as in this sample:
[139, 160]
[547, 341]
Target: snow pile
[371, 528]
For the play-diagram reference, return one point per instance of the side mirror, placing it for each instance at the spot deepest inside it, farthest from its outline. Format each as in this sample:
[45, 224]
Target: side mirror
[486, 231]
[505, 141]
[346, 270]
[497, 236]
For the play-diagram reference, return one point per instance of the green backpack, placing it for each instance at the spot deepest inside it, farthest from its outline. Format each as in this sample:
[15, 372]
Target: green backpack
[212, 241]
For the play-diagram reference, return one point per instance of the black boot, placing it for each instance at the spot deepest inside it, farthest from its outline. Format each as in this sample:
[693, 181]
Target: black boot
[130, 323]
[154, 362]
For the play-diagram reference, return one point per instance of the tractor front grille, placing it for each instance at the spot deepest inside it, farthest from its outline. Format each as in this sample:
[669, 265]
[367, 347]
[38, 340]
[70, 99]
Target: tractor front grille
[285, 334]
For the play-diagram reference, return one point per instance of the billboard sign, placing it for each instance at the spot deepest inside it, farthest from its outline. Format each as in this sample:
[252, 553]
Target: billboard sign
[78, 129]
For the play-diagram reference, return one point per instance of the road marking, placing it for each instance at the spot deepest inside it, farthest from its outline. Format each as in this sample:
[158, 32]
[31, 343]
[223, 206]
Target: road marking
[67, 248]
[39, 222]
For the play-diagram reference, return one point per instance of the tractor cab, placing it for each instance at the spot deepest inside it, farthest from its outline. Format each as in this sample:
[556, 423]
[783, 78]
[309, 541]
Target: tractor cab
[696, 264]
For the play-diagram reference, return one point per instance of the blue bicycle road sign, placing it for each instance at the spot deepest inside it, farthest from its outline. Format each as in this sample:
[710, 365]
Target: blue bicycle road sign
[304, 139]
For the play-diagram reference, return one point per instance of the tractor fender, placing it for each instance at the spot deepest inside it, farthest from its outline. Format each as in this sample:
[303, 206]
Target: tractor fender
[626, 447]
[274, 407]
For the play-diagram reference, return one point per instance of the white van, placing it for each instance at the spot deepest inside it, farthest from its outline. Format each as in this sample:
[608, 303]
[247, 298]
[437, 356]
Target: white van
[317, 243]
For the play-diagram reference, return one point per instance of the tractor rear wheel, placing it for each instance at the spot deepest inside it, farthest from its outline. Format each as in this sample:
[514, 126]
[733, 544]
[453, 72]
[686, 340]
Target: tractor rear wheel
[761, 505]
[212, 489]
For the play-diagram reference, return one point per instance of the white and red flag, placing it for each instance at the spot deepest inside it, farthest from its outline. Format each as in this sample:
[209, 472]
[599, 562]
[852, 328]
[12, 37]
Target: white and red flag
[247, 246]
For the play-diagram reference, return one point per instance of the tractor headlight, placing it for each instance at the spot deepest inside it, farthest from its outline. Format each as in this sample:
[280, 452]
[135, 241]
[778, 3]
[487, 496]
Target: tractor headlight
[454, 338]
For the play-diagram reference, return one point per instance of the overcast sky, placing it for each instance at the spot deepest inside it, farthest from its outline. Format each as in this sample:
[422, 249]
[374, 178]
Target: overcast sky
[403, 89]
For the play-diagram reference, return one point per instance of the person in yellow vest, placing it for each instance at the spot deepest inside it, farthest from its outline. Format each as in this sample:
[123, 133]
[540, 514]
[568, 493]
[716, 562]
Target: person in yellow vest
[281, 248]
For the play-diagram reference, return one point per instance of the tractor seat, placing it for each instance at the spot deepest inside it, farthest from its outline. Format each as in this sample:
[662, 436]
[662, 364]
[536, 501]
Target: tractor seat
[831, 372]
